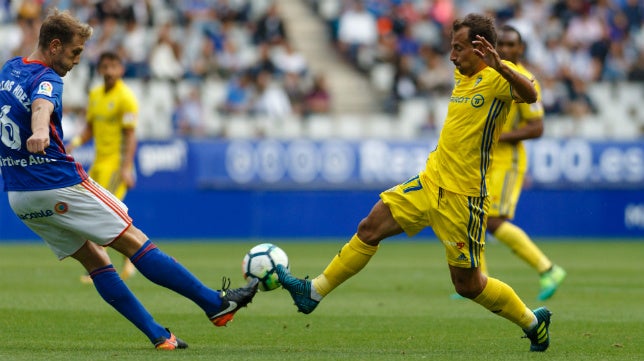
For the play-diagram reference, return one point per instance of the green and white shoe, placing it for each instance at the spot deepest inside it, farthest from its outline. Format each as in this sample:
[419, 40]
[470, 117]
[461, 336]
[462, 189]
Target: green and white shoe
[539, 336]
[550, 281]
[300, 290]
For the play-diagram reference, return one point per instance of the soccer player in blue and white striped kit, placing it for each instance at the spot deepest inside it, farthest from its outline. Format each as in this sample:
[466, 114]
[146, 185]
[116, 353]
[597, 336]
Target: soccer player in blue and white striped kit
[51, 193]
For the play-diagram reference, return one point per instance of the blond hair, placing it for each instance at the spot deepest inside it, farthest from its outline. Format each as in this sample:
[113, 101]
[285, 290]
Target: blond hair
[63, 26]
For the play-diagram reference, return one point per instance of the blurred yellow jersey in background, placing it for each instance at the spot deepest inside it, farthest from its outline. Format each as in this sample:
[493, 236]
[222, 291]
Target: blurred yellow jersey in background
[109, 113]
[514, 155]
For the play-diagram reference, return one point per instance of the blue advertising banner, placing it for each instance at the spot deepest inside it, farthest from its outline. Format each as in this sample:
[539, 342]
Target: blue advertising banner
[579, 163]
[307, 189]
[371, 164]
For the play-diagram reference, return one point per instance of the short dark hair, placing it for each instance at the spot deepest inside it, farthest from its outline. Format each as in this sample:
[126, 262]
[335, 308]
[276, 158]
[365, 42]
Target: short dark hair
[109, 55]
[478, 25]
[511, 28]
[63, 26]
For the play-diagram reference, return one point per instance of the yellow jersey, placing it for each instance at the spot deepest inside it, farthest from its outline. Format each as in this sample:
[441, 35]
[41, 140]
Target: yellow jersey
[478, 108]
[108, 113]
[509, 155]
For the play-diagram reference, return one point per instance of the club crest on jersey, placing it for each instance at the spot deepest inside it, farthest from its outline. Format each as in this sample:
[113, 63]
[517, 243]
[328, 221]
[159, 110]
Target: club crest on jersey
[61, 207]
[477, 101]
[45, 88]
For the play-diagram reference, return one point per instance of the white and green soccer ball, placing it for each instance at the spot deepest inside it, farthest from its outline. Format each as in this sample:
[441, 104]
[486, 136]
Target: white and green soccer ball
[261, 262]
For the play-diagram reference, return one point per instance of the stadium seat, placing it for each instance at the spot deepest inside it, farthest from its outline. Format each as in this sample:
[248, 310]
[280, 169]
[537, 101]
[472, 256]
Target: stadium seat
[319, 127]
[350, 126]
[213, 93]
[591, 127]
[240, 127]
[558, 127]
[283, 128]
[380, 127]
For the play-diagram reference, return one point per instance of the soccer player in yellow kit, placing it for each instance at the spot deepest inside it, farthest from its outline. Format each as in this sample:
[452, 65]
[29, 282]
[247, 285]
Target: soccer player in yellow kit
[450, 194]
[506, 173]
[112, 113]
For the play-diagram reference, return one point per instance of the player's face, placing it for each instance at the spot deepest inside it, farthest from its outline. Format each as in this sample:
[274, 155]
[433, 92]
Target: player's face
[509, 46]
[111, 70]
[462, 54]
[66, 56]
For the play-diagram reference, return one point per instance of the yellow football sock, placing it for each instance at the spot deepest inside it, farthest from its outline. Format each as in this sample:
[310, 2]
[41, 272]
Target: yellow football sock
[521, 244]
[353, 256]
[501, 299]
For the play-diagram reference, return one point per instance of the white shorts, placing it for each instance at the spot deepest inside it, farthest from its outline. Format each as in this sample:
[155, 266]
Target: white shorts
[67, 217]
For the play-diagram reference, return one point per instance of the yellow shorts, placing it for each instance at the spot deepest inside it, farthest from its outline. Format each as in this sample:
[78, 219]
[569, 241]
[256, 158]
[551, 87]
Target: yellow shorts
[109, 177]
[458, 221]
[504, 188]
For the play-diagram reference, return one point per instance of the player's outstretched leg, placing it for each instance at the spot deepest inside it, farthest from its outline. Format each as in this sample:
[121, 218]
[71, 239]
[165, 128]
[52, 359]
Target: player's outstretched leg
[300, 290]
[219, 306]
[550, 281]
[233, 300]
[539, 336]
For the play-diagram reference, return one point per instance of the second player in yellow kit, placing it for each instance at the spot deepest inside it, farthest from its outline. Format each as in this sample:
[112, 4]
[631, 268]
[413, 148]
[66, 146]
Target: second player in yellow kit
[450, 195]
[112, 114]
[506, 174]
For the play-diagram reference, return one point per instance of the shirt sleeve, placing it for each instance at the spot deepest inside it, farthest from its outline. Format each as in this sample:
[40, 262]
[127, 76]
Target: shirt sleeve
[130, 110]
[48, 87]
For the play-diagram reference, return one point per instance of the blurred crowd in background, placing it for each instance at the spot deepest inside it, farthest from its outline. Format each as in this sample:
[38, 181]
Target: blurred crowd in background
[244, 46]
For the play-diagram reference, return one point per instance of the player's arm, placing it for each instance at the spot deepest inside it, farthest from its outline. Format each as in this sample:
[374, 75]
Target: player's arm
[129, 150]
[523, 89]
[41, 110]
[531, 130]
[85, 135]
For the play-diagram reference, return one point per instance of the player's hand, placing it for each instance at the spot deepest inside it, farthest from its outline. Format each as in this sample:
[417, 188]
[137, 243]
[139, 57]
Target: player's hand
[39, 141]
[128, 178]
[487, 52]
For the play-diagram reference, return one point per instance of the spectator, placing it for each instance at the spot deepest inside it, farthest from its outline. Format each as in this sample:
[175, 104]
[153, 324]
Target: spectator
[264, 62]
[189, 114]
[405, 84]
[585, 28]
[165, 55]
[205, 63]
[616, 64]
[238, 95]
[292, 83]
[270, 100]
[357, 34]
[318, 99]
[288, 60]
[107, 37]
[271, 28]
[407, 43]
[636, 72]
[109, 9]
[435, 78]
[134, 49]
[22, 40]
[553, 96]
[230, 60]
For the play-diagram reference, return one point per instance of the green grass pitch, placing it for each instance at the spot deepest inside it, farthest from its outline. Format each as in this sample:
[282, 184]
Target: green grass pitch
[397, 308]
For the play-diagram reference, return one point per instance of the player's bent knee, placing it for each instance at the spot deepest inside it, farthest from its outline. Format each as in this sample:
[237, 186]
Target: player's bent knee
[130, 241]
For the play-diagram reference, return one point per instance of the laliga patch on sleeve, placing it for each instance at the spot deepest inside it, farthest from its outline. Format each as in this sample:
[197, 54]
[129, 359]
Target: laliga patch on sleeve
[45, 88]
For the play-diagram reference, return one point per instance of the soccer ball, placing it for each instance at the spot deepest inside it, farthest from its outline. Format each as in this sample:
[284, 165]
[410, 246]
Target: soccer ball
[261, 261]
